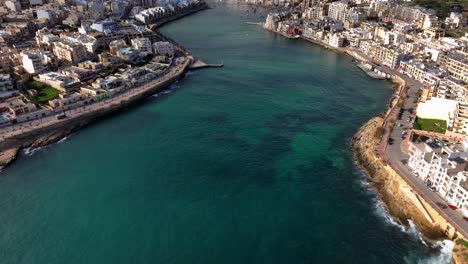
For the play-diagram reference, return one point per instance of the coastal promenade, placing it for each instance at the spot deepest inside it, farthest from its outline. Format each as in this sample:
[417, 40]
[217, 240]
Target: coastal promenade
[11, 136]
[393, 154]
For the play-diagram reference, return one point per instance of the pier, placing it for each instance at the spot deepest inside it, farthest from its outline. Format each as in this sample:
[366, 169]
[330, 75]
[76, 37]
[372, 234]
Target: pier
[199, 64]
[254, 23]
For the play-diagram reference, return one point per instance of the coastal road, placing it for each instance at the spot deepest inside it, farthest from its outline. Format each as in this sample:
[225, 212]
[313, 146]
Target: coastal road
[19, 129]
[398, 160]
[393, 152]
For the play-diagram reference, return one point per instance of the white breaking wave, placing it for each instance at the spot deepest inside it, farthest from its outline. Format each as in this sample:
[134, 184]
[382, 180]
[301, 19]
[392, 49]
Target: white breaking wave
[443, 248]
[413, 230]
[382, 212]
[445, 255]
[31, 151]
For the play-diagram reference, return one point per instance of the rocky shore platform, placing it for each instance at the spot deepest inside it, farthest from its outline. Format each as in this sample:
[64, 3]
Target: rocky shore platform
[401, 200]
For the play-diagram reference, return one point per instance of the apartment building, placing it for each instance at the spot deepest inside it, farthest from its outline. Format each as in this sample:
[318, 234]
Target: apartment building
[71, 52]
[5, 83]
[427, 73]
[387, 55]
[142, 45]
[456, 63]
[32, 62]
[338, 10]
[442, 165]
[151, 15]
[163, 48]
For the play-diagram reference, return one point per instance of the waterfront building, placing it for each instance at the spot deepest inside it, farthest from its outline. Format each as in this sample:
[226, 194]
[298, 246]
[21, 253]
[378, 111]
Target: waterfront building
[109, 83]
[151, 15]
[70, 101]
[58, 81]
[336, 40]
[443, 167]
[385, 54]
[272, 21]
[163, 48]
[142, 45]
[16, 107]
[427, 73]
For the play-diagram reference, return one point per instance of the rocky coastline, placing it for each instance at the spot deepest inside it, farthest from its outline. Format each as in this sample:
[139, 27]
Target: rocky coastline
[391, 188]
[41, 137]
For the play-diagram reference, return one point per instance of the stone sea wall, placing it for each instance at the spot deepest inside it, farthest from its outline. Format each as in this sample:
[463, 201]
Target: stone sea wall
[400, 199]
[53, 133]
[402, 202]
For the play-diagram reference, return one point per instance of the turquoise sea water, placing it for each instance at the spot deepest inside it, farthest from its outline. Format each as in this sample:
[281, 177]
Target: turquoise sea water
[245, 164]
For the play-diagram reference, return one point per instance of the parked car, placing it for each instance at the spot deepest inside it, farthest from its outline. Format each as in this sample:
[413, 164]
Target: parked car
[61, 116]
[453, 207]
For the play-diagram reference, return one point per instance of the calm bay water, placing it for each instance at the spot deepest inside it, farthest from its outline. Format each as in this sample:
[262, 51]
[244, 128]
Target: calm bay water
[245, 164]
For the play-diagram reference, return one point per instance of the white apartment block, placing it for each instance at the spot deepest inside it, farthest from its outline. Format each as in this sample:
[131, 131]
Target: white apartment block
[150, 15]
[456, 63]
[32, 62]
[338, 11]
[163, 48]
[73, 53]
[336, 40]
[443, 167]
[142, 45]
[426, 73]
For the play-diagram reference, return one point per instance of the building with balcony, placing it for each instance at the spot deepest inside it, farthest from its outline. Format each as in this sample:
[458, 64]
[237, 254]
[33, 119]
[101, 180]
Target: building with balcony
[71, 52]
[32, 62]
[443, 166]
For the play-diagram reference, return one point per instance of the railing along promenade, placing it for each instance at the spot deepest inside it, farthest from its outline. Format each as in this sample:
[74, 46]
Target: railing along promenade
[109, 104]
[392, 113]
